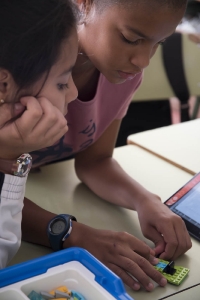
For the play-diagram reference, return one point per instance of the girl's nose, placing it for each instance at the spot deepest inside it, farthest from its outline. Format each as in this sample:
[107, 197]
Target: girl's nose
[141, 59]
[73, 92]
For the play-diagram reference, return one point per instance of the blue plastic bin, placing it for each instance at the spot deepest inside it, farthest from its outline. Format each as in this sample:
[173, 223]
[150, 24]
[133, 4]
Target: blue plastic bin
[74, 267]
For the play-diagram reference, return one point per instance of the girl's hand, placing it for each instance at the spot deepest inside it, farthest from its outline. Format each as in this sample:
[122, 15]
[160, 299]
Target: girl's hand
[124, 254]
[166, 229]
[37, 124]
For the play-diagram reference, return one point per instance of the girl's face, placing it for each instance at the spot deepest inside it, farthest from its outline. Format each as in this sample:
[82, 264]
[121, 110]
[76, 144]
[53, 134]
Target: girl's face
[59, 86]
[121, 41]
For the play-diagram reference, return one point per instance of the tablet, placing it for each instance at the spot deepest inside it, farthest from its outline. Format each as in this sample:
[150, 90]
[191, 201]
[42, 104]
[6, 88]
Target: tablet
[186, 203]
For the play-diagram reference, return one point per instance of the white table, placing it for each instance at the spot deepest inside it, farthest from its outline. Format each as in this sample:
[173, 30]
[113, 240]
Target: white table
[190, 294]
[178, 144]
[58, 189]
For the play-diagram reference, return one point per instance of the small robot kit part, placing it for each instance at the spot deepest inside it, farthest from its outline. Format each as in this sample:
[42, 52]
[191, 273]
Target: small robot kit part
[173, 274]
[61, 293]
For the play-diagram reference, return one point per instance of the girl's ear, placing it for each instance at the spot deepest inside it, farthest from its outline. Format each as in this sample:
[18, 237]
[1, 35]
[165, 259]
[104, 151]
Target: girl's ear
[85, 6]
[7, 85]
[85, 2]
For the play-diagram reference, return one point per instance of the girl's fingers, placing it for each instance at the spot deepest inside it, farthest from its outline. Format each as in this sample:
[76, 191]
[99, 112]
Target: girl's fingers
[30, 117]
[42, 123]
[58, 135]
[9, 111]
[142, 270]
[136, 245]
[39, 125]
[127, 279]
[52, 119]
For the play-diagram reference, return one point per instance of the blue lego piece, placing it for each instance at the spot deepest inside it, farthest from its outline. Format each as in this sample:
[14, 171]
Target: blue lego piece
[35, 296]
[77, 296]
[161, 265]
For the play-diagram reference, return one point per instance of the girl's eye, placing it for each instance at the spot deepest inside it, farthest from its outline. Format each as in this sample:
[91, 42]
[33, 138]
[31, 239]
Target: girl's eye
[130, 42]
[62, 86]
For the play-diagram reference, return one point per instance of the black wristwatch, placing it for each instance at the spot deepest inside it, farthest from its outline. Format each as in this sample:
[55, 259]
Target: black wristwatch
[59, 228]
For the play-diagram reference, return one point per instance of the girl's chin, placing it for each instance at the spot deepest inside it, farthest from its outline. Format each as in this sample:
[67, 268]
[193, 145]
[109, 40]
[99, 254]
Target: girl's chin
[115, 80]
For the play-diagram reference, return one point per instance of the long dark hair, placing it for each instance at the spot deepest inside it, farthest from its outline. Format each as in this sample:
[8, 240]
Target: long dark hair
[31, 33]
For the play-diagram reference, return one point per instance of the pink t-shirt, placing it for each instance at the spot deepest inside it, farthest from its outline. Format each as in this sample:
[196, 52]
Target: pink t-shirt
[88, 120]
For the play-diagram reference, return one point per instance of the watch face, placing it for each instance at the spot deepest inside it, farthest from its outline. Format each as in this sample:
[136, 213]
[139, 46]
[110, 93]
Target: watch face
[23, 165]
[58, 226]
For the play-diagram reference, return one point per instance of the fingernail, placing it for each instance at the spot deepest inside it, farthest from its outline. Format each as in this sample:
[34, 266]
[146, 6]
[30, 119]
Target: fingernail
[150, 286]
[136, 286]
[163, 282]
[19, 106]
[154, 260]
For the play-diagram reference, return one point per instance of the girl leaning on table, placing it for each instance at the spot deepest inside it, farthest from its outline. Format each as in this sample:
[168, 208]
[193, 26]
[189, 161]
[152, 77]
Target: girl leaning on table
[117, 39]
[38, 48]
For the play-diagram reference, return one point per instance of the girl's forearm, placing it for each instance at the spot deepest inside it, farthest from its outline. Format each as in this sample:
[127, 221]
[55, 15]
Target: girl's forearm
[34, 223]
[109, 181]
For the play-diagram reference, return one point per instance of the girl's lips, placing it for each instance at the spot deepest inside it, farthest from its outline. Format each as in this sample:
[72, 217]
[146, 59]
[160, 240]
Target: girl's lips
[124, 75]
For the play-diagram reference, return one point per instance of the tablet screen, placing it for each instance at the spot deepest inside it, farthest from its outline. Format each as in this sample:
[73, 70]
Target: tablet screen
[189, 205]
[186, 204]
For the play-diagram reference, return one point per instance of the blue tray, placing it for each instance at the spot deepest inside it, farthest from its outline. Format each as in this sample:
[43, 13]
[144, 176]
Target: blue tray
[103, 276]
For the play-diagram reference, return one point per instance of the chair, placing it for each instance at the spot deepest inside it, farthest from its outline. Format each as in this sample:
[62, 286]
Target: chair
[158, 85]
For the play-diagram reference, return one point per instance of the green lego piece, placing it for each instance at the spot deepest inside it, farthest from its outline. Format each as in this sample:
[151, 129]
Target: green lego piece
[177, 275]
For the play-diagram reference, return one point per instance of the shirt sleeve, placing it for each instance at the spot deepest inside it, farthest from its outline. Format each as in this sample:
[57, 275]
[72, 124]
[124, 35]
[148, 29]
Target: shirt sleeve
[11, 204]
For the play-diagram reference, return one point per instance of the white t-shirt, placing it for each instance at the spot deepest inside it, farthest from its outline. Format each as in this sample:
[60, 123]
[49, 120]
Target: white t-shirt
[11, 204]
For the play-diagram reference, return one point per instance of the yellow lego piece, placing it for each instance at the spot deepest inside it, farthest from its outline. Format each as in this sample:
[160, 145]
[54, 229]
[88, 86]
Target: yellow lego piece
[59, 299]
[63, 289]
[52, 292]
